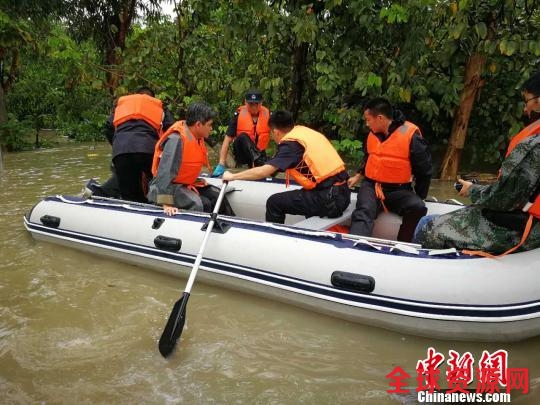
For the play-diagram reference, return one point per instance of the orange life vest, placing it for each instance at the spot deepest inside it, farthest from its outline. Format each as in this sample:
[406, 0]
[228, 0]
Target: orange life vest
[259, 132]
[530, 130]
[388, 161]
[320, 157]
[194, 154]
[139, 107]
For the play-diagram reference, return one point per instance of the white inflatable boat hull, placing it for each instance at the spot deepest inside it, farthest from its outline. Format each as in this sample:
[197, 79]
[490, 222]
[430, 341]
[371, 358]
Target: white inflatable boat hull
[375, 282]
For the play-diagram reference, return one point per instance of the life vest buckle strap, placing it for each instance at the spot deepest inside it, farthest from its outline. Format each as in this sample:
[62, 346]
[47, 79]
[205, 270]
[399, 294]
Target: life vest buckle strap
[379, 193]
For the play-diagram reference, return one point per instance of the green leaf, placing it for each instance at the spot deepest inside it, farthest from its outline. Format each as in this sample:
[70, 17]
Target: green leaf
[373, 80]
[502, 46]
[97, 84]
[405, 94]
[481, 30]
[508, 47]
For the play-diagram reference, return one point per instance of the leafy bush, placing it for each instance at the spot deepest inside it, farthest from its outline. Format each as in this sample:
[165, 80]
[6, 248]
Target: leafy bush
[14, 134]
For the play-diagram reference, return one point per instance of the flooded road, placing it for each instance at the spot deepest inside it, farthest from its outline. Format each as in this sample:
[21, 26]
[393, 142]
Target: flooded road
[80, 329]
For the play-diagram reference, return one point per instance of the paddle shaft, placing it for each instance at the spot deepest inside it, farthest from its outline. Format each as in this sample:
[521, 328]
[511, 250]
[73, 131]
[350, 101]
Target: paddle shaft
[198, 260]
[175, 324]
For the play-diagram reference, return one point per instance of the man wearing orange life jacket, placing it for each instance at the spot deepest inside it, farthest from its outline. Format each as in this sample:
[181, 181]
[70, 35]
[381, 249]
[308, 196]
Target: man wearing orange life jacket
[310, 159]
[178, 159]
[504, 216]
[248, 132]
[395, 153]
[133, 130]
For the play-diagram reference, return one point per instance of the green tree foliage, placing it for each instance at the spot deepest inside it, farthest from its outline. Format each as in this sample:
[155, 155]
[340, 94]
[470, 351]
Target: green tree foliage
[22, 22]
[109, 23]
[321, 59]
[58, 88]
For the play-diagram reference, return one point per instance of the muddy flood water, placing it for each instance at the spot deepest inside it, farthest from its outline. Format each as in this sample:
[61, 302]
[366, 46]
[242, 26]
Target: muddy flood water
[79, 329]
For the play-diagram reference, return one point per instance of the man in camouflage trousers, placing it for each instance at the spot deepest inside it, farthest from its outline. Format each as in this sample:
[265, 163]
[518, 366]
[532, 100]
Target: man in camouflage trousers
[495, 222]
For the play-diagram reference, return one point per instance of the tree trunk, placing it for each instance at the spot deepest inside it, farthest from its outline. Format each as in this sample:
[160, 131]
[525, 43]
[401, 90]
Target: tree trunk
[298, 74]
[118, 40]
[472, 83]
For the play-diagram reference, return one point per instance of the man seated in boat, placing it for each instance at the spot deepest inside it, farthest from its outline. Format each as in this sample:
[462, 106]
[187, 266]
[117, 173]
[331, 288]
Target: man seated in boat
[395, 153]
[248, 132]
[178, 159]
[310, 159]
[504, 216]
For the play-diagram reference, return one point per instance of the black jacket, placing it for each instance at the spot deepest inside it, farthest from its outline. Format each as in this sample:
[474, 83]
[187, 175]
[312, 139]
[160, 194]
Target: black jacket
[420, 156]
[135, 136]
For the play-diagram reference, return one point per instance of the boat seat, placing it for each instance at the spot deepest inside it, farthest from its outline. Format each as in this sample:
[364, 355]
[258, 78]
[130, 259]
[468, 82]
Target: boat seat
[323, 223]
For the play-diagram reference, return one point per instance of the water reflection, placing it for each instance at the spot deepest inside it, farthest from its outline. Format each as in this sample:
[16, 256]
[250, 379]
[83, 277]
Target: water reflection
[77, 328]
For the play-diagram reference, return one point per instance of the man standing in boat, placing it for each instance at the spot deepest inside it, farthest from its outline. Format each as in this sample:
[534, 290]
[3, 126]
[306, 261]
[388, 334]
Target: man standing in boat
[133, 130]
[395, 153]
[310, 159]
[178, 159]
[248, 132]
[504, 216]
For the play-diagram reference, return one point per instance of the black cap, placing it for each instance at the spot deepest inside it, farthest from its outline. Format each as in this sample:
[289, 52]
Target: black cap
[254, 96]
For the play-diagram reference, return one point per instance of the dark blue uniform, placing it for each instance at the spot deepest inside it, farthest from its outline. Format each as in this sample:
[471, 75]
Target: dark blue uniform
[328, 199]
[399, 198]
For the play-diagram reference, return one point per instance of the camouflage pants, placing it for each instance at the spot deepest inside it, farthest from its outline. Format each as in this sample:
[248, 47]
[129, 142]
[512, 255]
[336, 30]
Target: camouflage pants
[467, 228]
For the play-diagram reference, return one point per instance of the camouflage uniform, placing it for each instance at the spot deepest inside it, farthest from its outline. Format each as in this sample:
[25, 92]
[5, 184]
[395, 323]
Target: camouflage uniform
[468, 228]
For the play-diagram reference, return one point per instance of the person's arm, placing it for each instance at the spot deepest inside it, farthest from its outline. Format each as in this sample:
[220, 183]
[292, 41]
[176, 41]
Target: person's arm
[288, 155]
[362, 165]
[422, 167]
[229, 137]
[233, 125]
[169, 164]
[168, 119]
[517, 182]
[224, 149]
[352, 181]
[251, 174]
[360, 172]
[108, 129]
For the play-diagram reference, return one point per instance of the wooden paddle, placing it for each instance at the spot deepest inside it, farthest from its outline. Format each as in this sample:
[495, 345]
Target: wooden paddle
[175, 324]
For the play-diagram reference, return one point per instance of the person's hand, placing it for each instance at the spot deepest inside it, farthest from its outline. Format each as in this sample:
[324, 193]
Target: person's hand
[227, 176]
[218, 171]
[464, 192]
[170, 210]
[200, 182]
[353, 180]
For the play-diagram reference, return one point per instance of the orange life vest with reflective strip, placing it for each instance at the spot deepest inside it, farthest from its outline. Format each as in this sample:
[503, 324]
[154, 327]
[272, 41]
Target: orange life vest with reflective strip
[138, 107]
[194, 154]
[320, 157]
[388, 161]
[259, 132]
[530, 130]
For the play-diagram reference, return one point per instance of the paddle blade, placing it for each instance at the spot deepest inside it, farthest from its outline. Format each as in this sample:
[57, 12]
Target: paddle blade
[173, 328]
